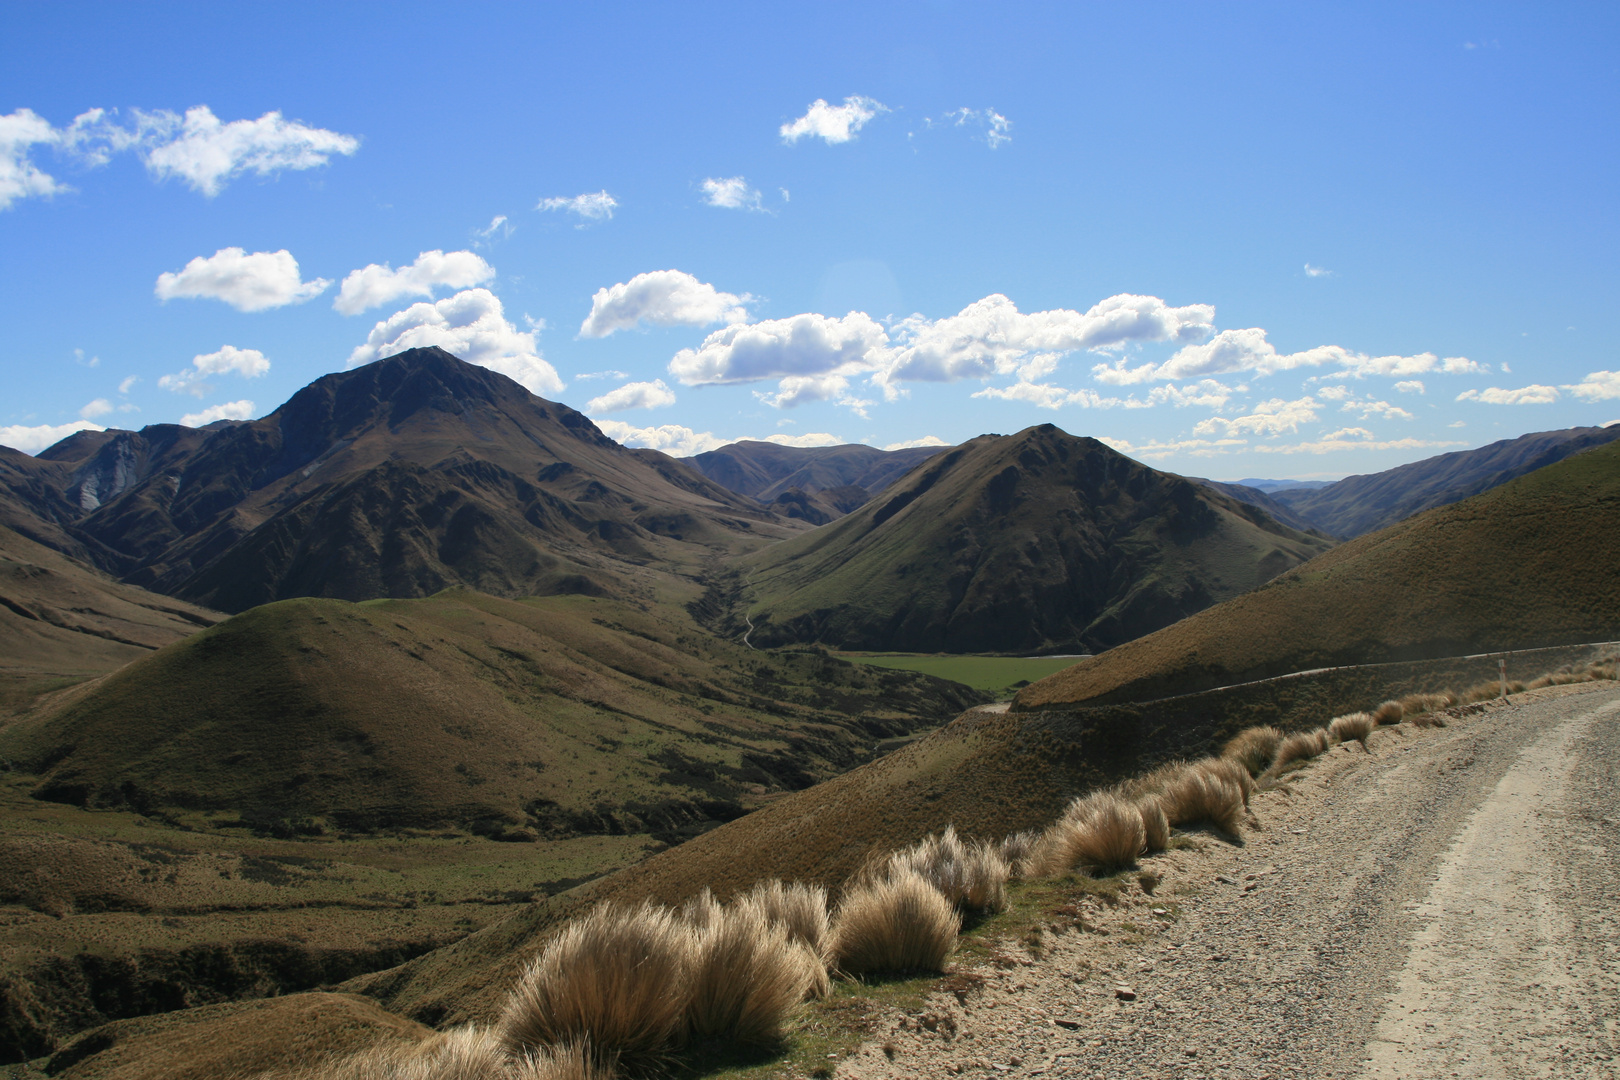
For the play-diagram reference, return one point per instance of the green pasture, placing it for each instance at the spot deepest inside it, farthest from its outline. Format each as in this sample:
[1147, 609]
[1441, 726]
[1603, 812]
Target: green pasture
[1000, 675]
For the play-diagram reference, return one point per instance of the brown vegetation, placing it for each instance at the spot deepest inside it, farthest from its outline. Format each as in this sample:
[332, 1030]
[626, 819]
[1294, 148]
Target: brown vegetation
[1155, 826]
[1102, 833]
[1351, 727]
[894, 924]
[1201, 797]
[1253, 748]
[1390, 712]
[747, 973]
[971, 875]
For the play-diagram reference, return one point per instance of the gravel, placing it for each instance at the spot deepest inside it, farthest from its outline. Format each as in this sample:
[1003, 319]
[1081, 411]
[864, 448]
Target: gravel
[1440, 904]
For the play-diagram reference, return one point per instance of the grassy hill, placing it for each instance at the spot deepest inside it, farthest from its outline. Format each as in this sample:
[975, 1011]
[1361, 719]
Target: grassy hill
[1035, 542]
[548, 718]
[765, 470]
[1528, 563]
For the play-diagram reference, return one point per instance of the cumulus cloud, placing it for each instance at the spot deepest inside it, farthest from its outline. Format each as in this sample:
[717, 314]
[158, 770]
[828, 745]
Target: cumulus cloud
[636, 395]
[256, 282]
[1045, 396]
[833, 123]
[1598, 386]
[1410, 386]
[1233, 351]
[31, 440]
[806, 344]
[911, 444]
[592, 206]
[1317, 271]
[378, 284]
[1534, 394]
[661, 298]
[1344, 439]
[1371, 408]
[732, 193]
[128, 384]
[472, 325]
[1271, 418]
[231, 410]
[799, 389]
[20, 178]
[248, 363]
[679, 441]
[99, 407]
[205, 153]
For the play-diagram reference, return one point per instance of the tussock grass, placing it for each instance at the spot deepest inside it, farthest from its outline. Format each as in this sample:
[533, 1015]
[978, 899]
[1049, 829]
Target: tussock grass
[1015, 849]
[746, 975]
[1227, 769]
[1298, 747]
[972, 876]
[464, 1053]
[1253, 748]
[1155, 825]
[617, 978]
[894, 924]
[1201, 797]
[1390, 712]
[701, 911]
[1351, 727]
[1101, 832]
[571, 1061]
[799, 909]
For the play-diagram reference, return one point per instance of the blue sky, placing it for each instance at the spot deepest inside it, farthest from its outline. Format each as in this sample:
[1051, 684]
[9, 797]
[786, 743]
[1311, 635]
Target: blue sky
[1233, 240]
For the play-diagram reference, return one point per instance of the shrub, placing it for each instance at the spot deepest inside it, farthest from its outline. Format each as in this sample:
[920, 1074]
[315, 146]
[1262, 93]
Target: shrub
[1201, 797]
[1390, 712]
[898, 923]
[1300, 746]
[1155, 826]
[1253, 748]
[1351, 727]
[616, 978]
[1228, 769]
[746, 974]
[969, 875]
[1101, 832]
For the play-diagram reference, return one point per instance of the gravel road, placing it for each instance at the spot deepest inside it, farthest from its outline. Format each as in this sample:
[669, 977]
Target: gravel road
[1445, 904]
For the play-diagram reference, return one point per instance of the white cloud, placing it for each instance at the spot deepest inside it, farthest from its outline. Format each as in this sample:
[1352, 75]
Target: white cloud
[248, 363]
[799, 389]
[661, 298]
[1353, 439]
[378, 283]
[128, 384]
[1248, 350]
[256, 282]
[1598, 386]
[1271, 417]
[910, 444]
[817, 439]
[1045, 396]
[1317, 271]
[800, 345]
[1370, 408]
[99, 407]
[31, 440]
[994, 124]
[206, 153]
[1534, 394]
[592, 206]
[497, 224]
[20, 178]
[636, 395]
[609, 374]
[679, 441]
[231, 410]
[1335, 393]
[1410, 386]
[472, 325]
[833, 123]
[732, 193]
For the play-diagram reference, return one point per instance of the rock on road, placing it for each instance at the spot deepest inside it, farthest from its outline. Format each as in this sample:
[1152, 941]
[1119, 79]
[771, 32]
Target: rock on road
[1446, 904]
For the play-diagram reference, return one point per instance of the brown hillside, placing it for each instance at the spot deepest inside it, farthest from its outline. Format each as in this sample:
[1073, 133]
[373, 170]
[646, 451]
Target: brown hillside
[1040, 541]
[1529, 563]
[545, 718]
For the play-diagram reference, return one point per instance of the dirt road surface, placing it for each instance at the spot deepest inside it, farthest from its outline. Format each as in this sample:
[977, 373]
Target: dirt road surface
[1445, 904]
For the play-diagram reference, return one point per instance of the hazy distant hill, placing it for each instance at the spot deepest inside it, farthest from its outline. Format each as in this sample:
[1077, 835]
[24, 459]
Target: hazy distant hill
[396, 479]
[1254, 496]
[1361, 504]
[767, 470]
[1039, 541]
[1531, 562]
[561, 716]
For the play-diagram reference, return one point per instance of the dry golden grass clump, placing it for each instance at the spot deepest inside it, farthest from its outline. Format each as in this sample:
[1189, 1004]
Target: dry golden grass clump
[1155, 825]
[616, 978]
[1014, 851]
[465, 1053]
[702, 910]
[1201, 797]
[1390, 712]
[746, 974]
[1298, 747]
[800, 909]
[896, 923]
[970, 875]
[1228, 769]
[1351, 727]
[1101, 832]
[1253, 748]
